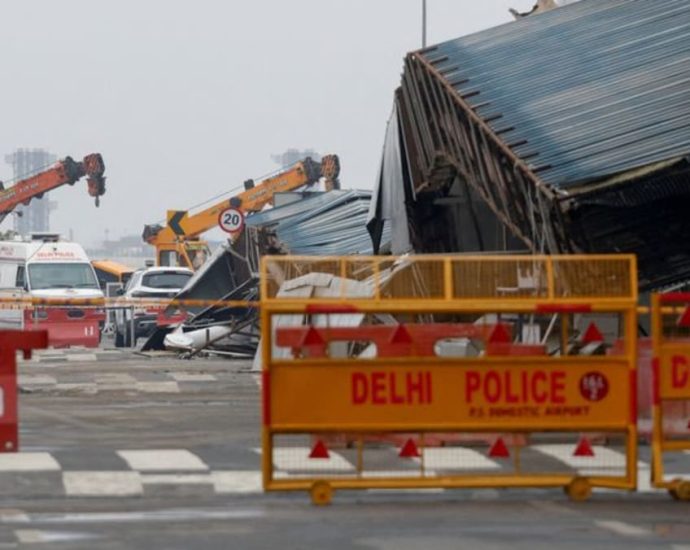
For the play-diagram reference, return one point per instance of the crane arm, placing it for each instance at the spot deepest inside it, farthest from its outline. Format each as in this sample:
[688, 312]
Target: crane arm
[66, 171]
[181, 225]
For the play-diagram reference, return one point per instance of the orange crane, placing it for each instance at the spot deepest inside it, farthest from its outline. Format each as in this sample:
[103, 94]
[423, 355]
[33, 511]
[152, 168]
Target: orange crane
[61, 173]
[178, 243]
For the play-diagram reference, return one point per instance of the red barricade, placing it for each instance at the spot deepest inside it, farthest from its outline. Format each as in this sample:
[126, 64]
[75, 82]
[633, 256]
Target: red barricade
[12, 341]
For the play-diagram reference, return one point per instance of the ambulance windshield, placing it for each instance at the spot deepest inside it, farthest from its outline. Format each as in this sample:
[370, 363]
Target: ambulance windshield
[61, 275]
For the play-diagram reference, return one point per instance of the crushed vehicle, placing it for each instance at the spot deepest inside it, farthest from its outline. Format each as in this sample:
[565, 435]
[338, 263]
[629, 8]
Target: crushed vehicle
[147, 285]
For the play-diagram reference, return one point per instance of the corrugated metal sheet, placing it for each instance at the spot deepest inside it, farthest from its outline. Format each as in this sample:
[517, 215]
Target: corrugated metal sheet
[332, 223]
[594, 88]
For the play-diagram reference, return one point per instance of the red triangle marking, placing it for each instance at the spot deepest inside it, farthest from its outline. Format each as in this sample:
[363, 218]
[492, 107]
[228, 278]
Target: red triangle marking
[401, 336]
[312, 338]
[499, 335]
[684, 320]
[409, 450]
[592, 334]
[584, 448]
[499, 449]
[319, 450]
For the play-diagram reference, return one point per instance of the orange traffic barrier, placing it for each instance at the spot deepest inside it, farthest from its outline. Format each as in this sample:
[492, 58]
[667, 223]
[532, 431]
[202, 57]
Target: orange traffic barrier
[671, 374]
[513, 355]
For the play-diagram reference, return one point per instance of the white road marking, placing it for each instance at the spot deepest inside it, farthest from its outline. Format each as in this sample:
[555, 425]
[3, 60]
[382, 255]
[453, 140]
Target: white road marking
[85, 387]
[192, 377]
[644, 482]
[423, 490]
[158, 387]
[82, 357]
[34, 536]
[456, 458]
[375, 474]
[28, 462]
[163, 460]
[39, 379]
[297, 459]
[163, 516]
[111, 484]
[236, 482]
[175, 479]
[622, 528]
[604, 462]
[115, 381]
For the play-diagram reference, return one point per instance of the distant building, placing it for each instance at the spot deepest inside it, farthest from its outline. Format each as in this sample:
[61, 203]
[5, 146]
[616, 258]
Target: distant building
[35, 217]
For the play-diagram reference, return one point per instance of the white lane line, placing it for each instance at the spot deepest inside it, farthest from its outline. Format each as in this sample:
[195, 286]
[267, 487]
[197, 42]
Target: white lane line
[456, 458]
[414, 473]
[192, 377]
[37, 380]
[176, 479]
[115, 378]
[622, 528]
[28, 462]
[82, 357]
[297, 459]
[98, 484]
[604, 462]
[35, 536]
[81, 387]
[163, 460]
[158, 387]
[422, 490]
[236, 482]
[644, 483]
[115, 381]
[150, 516]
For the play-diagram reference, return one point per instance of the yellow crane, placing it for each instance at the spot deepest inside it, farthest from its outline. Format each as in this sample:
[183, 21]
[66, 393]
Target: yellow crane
[179, 243]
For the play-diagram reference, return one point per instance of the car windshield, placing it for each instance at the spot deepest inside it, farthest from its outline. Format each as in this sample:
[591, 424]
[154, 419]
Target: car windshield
[61, 275]
[166, 279]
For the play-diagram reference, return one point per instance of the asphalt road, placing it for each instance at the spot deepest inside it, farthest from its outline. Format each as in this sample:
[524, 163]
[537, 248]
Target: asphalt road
[121, 451]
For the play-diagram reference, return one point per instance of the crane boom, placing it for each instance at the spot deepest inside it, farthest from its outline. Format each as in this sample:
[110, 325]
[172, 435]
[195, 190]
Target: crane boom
[182, 229]
[66, 171]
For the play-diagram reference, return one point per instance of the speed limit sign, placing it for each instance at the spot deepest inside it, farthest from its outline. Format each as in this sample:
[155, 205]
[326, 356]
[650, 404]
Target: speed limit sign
[231, 220]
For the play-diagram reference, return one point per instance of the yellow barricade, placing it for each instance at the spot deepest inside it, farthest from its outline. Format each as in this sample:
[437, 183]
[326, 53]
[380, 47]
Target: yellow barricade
[449, 372]
[671, 432]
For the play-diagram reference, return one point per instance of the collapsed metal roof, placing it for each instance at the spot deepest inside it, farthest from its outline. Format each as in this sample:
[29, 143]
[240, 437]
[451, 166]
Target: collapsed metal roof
[581, 92]
[332, 223]
[572, 126]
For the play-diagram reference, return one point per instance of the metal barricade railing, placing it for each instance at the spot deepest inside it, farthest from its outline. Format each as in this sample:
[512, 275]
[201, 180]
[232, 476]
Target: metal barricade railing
[671, 371]
[448, 372]
[79, 321]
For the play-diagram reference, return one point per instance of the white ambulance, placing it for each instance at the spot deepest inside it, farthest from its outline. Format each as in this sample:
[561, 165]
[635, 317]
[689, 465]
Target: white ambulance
[46, 267]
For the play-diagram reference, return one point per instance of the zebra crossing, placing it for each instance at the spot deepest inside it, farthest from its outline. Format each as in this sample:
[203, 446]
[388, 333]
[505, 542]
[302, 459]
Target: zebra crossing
[170, 472]
[93, 383]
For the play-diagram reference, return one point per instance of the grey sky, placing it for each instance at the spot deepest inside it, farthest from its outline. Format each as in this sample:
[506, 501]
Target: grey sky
[187, 99]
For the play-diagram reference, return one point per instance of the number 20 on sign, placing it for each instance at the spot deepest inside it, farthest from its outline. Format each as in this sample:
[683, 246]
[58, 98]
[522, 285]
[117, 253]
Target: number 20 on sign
[231, 220]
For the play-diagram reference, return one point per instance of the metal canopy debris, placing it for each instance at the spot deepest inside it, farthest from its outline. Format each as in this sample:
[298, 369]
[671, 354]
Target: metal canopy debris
[581, 92]
[572, 126]
[331, 223]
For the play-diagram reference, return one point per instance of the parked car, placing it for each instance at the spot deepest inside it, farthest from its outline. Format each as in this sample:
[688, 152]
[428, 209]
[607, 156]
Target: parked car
[150, 282]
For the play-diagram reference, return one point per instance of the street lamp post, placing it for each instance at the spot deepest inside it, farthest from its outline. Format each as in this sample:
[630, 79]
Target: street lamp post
[423, 23]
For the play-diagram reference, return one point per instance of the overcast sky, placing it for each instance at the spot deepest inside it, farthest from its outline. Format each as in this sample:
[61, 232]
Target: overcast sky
[187, 99]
